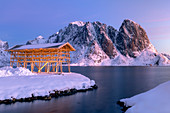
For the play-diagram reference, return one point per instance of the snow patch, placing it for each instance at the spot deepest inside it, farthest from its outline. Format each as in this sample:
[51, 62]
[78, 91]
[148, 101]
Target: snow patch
[79, 23]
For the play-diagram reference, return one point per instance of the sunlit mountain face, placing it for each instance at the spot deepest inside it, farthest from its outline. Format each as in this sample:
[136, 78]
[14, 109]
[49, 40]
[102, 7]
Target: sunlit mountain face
[99, 44]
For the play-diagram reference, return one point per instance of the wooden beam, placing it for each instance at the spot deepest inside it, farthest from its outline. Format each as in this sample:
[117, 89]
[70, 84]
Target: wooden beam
[48, 68]
[32, 67]
[43, 67]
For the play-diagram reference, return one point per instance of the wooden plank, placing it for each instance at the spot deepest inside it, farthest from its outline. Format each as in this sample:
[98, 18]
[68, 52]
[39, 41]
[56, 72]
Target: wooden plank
[61, 68]
[57, 67]
[69, 70]
[32, 67]
[43, 67]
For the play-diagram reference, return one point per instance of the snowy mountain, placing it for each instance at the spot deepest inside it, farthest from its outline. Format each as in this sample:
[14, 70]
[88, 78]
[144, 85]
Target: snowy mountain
[4, 56]
[38, 40]
[99, 44]
[92, 41]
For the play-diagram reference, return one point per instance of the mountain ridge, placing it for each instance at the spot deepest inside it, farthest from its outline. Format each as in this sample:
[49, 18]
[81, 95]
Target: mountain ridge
[98, 44]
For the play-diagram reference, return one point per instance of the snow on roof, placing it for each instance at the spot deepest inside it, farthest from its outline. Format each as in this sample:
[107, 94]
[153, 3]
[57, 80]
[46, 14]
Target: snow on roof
[36, 46]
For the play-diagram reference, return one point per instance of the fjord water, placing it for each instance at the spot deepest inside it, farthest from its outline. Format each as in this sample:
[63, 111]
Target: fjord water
[114, 84]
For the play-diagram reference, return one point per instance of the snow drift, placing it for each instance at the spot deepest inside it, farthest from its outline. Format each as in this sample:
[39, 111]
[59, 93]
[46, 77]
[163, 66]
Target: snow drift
[155, 100]
[21, 83]
[9, 71]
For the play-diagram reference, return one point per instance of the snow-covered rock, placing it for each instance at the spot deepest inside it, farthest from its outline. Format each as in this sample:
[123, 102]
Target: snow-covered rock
[78, 23]
[38, 40]
[4, 55]
[21, 83]
[91, 40]
[155, 100]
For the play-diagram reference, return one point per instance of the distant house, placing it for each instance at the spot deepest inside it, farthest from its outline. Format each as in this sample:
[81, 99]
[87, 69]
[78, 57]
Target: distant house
[50, 56]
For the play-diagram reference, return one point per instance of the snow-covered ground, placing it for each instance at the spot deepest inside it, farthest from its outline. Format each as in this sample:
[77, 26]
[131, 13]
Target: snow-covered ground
[156, 100]
[21, 83]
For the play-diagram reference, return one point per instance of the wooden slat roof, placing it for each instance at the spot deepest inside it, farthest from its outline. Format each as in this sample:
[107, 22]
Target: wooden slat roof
[40, 46]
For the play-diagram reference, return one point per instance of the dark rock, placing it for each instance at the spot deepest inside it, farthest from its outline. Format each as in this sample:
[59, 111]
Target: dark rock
[67, 92]
[73, 91]
[47, 98]
[82, 90]
[90, 88]
[28, 99]
[131, 38]
[54, 95]
[124, 108]
[95, 86]
[7, 101]
[13, 100]
[40, 97]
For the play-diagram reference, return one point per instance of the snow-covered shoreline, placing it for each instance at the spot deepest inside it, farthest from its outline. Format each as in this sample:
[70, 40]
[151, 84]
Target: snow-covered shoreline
[155, 100]
[15, 86]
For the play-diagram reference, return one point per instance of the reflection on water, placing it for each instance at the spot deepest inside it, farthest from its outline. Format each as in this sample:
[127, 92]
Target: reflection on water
[114, 83]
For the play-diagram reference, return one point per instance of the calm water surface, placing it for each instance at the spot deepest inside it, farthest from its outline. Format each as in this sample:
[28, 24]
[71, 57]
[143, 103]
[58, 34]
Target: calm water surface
[114, 83]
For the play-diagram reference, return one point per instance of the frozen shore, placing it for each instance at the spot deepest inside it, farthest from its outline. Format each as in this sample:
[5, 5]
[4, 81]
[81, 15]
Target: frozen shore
[20, 84]
[156, 100]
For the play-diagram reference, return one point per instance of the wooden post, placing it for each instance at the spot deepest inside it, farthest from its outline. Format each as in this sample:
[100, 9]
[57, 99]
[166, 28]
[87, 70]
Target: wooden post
[32, 66]
[17, 58]
[61, 69]
[56, 67]
[69, 67]
[48, 68]
[69, 70]
[26, 65]
[38, 67]
[11, 60]
[24, 58]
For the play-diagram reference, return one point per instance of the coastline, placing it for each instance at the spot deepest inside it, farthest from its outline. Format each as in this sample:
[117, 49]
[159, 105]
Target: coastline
[42, 86]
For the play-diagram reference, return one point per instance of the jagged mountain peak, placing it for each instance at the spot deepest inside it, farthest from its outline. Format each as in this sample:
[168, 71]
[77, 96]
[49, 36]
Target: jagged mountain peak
[99, 44]
[38, 40]
[129, 21]
[129, 25]
[39, 37]
[131, 39]
[78, 23]
[81, 23]
[95, 36]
